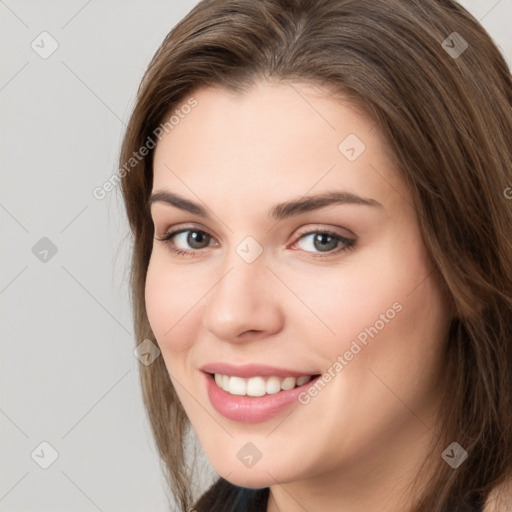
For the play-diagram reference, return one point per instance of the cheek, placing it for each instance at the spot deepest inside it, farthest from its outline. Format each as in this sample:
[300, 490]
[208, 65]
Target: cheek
[348, 299]
[168, 305]
[386, 297]
[156, 299]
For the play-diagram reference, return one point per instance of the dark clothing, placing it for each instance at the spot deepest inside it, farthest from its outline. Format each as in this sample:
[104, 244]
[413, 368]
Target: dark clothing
[226, 497]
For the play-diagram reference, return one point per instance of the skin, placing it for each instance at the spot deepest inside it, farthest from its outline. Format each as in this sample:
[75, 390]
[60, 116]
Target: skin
[357, 444]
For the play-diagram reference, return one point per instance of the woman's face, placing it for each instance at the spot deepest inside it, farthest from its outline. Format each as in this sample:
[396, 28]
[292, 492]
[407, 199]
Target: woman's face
[305, 259]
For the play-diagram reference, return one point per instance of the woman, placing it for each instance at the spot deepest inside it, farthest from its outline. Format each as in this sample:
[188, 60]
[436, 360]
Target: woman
[323, 254]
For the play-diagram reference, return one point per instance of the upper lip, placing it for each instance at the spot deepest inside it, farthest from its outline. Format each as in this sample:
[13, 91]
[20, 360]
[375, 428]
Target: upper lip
[251, 370]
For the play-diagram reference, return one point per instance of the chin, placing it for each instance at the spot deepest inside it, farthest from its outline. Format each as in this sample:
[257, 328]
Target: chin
[246, 478]
[262, 474]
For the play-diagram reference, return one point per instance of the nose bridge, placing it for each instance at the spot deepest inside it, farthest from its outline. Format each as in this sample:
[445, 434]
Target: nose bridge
[240, 284]
[239, 301]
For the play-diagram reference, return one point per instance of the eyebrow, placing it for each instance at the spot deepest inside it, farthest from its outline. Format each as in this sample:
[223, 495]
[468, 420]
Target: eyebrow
[277, 212]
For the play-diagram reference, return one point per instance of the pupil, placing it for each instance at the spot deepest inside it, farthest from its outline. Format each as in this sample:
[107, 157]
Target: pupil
[195, 237]
[323, 242]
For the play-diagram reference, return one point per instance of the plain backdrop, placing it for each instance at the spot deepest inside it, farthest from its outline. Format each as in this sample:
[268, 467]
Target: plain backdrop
[69, 377]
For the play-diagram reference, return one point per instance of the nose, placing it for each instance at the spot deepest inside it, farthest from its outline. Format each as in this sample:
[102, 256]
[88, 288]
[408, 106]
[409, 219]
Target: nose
[244, 304]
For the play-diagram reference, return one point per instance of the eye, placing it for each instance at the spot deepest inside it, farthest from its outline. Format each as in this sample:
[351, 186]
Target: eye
[189, 238]
[322, 243]
[326, 242]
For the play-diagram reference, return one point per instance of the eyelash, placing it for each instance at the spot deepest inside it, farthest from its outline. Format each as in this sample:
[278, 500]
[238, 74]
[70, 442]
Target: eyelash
[349, 244]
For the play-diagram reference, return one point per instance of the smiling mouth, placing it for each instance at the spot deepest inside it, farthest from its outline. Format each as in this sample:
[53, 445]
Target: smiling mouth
[259, 386]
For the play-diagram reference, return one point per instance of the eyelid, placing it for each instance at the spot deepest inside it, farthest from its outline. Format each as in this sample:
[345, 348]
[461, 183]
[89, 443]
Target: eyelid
[321, 227]
[175, 229]
[307, 230]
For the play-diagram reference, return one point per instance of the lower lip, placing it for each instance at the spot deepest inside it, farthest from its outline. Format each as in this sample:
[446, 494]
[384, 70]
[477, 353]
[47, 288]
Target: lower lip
[249, 409]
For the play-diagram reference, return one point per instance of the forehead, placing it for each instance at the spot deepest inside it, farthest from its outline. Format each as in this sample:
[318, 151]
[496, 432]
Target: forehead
[275, 141]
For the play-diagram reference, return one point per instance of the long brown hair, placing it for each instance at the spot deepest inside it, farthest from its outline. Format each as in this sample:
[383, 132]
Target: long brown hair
[441, 93]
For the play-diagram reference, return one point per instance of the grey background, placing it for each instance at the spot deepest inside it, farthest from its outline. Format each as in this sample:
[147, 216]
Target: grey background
[68, 372]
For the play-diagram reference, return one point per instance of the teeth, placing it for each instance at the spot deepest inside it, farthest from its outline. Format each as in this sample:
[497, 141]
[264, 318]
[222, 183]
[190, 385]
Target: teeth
[302, 380]
[258, 386]
[255, 386]
[237, 386]
[273, 385]
[288, 383]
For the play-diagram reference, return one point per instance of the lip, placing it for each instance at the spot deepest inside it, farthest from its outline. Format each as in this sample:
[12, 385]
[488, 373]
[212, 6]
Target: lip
[252, 370]
[248, 409]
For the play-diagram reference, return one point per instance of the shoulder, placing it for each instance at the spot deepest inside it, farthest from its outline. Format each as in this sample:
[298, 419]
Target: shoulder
[500, 498]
